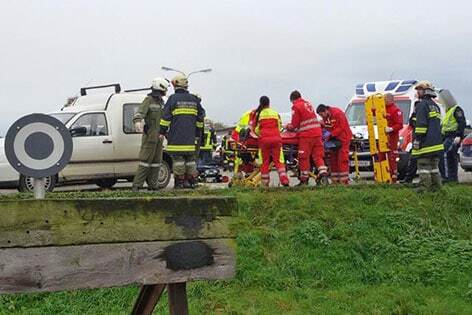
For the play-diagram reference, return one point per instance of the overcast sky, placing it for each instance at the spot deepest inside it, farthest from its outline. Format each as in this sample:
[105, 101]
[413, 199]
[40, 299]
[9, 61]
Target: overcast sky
[49, 49]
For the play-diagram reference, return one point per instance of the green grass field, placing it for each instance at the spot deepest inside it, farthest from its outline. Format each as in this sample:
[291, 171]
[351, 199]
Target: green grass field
[357, 250]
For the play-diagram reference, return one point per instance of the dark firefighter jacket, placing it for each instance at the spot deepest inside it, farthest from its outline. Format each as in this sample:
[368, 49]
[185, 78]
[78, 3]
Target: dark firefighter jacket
[427, 133]
[182, 122]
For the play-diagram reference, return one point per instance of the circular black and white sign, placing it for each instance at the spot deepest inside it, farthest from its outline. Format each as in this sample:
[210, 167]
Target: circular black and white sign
[38, 145]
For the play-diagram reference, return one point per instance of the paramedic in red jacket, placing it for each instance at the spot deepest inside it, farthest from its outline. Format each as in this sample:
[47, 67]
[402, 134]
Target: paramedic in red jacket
[310, 143]
[336, 123]
[268, 125]
[394, 125]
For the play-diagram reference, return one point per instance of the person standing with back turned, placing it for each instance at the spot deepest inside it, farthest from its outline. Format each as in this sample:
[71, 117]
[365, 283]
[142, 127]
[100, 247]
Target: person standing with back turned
[310, 142]
[182, 123]
[268, 125]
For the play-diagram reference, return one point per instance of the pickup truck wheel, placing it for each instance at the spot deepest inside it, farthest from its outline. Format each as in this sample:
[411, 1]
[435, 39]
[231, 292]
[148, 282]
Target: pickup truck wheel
[106, 182]
[26, 183]
[164, 175]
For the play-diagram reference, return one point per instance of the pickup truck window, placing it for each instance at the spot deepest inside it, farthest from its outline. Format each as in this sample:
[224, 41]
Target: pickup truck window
[90, 125]
[128, 112]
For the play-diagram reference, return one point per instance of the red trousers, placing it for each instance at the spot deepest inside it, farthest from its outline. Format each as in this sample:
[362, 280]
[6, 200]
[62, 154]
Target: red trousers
[311, 149]
[271, 149]
[392, 157]
[339, 164]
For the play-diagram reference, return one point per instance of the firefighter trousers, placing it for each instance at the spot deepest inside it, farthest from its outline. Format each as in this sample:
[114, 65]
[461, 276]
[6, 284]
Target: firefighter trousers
[311, 149]
[150, 161]
[339, 164]
[271, 150]
[184, 165]
[428, 171]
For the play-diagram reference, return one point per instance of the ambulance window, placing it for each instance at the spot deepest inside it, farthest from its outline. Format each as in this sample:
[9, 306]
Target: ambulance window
[90, 125]
[356, 114]
[128, 112]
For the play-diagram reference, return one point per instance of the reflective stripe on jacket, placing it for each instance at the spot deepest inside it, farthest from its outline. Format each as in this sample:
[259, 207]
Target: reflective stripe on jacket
[450, 123]
[182, 121]
[268, 124]
[304, 119]
[427, 133]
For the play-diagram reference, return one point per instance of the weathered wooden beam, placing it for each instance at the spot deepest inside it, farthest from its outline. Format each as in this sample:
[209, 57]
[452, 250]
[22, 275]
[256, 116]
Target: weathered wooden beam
[45, 269]
[31, 223]
[148, 297]
[178, 304]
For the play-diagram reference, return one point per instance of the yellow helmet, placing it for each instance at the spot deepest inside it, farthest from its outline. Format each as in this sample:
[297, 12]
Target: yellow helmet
[180, 81]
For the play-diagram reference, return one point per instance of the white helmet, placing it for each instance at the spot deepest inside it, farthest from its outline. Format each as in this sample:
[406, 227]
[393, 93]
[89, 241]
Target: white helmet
[160, 84]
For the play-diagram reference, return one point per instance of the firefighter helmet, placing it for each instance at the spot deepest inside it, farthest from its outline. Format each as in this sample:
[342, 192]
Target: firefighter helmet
[427, 87]
[160, 84]
[180, 81]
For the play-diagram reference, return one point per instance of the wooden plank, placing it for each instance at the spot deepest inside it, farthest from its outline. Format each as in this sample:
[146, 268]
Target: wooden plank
[178, 304]
[148, 297]
[30, 223]
[46, 269]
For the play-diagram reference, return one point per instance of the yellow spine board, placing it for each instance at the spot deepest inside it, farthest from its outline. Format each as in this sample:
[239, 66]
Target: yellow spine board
[380, 117]
[369, 116]
[375, 112]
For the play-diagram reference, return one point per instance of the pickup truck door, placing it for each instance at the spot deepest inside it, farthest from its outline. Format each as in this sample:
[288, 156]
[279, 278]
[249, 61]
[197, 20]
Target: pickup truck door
[93, 154]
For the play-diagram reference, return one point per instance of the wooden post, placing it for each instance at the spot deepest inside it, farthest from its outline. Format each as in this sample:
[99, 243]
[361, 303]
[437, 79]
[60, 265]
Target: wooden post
[147, 299]
[178, 304]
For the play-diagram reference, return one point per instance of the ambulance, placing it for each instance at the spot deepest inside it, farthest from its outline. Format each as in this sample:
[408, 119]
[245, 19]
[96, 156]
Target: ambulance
[405, 96]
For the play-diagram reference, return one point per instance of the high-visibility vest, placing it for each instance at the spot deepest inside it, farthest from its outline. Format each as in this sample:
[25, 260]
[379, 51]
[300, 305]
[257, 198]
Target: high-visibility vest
[449, 123]
[207, 145]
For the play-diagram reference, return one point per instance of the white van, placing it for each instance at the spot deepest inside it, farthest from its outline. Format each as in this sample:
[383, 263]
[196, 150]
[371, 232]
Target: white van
[405, 96]
[106, 146]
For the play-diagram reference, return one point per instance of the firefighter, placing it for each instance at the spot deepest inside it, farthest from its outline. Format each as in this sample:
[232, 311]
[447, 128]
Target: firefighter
[268, 125]
[182, 124]
[452, 128]
[146, 121]
[427, 138]
[336, 123]
[394, 125]
[309, 133]
[208, 144]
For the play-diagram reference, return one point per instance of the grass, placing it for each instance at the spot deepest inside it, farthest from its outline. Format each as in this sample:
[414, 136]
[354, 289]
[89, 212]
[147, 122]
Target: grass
[356, 250]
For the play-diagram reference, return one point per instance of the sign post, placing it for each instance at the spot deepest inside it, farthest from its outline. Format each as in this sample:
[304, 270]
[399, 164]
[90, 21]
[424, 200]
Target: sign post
[38, 146]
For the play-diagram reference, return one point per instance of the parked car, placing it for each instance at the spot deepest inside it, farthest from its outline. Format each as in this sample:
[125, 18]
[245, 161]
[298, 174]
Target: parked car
[466, 153]
[106, 145]
[405, 95]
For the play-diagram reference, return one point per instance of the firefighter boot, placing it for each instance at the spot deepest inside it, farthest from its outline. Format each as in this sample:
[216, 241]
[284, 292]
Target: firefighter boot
[179, 182]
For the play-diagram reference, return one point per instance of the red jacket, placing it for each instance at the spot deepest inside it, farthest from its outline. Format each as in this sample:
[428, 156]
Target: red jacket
[338, 125]
[269, 124]
[304, 119]
[394, 117]
[395, 121]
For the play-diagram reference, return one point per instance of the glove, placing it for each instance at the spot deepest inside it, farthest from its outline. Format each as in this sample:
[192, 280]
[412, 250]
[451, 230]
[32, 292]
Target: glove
[457, 140]
[388, 129]
[162, 137]
[139, 126]
[416, 145]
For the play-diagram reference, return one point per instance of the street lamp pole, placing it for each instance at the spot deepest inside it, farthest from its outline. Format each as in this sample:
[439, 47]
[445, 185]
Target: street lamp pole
[181, 72]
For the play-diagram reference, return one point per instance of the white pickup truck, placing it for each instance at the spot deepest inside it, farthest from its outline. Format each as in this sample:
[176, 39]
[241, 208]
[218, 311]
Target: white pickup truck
[106, 146]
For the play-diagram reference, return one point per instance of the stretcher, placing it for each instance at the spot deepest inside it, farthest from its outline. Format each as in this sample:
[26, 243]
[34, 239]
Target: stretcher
[375, 113]
[247, 160]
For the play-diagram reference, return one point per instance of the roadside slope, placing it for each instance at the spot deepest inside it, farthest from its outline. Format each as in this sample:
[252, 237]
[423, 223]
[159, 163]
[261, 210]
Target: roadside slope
[364, 249]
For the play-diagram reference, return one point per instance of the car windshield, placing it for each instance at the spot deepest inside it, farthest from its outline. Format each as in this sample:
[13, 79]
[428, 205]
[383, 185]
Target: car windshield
[355, 112]
[63, 117]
